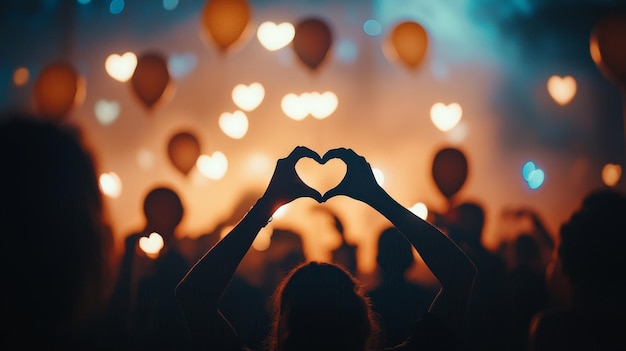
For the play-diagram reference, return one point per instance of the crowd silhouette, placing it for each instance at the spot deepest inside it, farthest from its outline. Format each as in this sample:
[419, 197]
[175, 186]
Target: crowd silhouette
[64, 288]
[143, 307]
[319, 305]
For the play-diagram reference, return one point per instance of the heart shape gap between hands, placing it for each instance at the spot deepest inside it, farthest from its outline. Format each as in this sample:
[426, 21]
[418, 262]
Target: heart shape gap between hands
[321, 174]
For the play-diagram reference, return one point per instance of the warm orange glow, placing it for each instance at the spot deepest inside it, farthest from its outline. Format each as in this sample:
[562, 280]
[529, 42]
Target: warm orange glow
[445, 117]
[594, 50]
[58, 89]
[458, 134]
[263, 239]
[225, 21]
[121, 67]
[407, 43]
[106, 111]
[235, 124]
[248, 97]
[281, 212]
[110, 184]
[21, 76]
[275, 36]
[611, 174]
[562, 89]
[258, 164]
[145, 159]
[321, 177]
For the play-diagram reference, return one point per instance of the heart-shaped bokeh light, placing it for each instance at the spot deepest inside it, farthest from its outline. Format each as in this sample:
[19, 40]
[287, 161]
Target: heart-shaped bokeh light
[611, 173]
[248, 97]
[533, 176]
[106, 111]
[294, 108]
[214, 166]
[275, 36]
[121, 67]
[322, 105]
[321, 177]
[110, 184]
[235, 124]
[562, 89]
[318, 105]
[152, 244]
[445, 117]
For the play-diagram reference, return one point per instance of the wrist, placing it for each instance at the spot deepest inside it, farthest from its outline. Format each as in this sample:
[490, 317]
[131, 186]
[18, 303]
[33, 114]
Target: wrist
[261, 212]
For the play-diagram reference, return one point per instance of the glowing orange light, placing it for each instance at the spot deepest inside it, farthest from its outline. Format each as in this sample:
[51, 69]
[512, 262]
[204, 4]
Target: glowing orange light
[611, 173]
[21, 76]
[110, 184]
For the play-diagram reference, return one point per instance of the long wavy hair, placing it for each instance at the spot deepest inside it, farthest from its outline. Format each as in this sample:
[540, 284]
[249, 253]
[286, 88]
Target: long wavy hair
[321, 306]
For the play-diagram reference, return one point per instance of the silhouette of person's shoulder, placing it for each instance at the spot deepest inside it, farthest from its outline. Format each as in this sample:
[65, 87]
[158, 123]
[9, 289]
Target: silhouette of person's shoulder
[399, 306]
[247, 310]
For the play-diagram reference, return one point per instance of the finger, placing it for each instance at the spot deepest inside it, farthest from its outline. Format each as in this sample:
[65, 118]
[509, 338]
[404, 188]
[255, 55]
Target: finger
[302, 151]
[334, 153]
[336, 191]
[312, 193]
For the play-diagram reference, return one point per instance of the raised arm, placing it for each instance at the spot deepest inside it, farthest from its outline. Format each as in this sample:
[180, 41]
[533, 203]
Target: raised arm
[454, 270]
[199, 291]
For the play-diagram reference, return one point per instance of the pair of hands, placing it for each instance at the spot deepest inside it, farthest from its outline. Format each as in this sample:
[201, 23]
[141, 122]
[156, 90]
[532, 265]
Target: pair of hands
[359, 182]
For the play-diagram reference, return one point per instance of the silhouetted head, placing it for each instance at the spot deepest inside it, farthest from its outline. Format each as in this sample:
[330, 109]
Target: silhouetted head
[395, 253]
[321, 306]
[527, 251]
[52, 264]
[466, 223]
[286, 250]
[163, 210]
[592, 242]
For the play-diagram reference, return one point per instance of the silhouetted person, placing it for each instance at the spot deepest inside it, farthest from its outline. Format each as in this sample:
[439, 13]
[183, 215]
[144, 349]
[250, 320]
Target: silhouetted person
[487, 325]
[589, 269]
[528, 292]
[345, 254]
[147, 313]
[247, 306]
[285, 252]
[53, 266]
[398, 302]
[321, 306]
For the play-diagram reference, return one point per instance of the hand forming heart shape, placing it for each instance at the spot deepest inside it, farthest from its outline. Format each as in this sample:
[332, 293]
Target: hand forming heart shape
[356, 180]
[320, 174]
